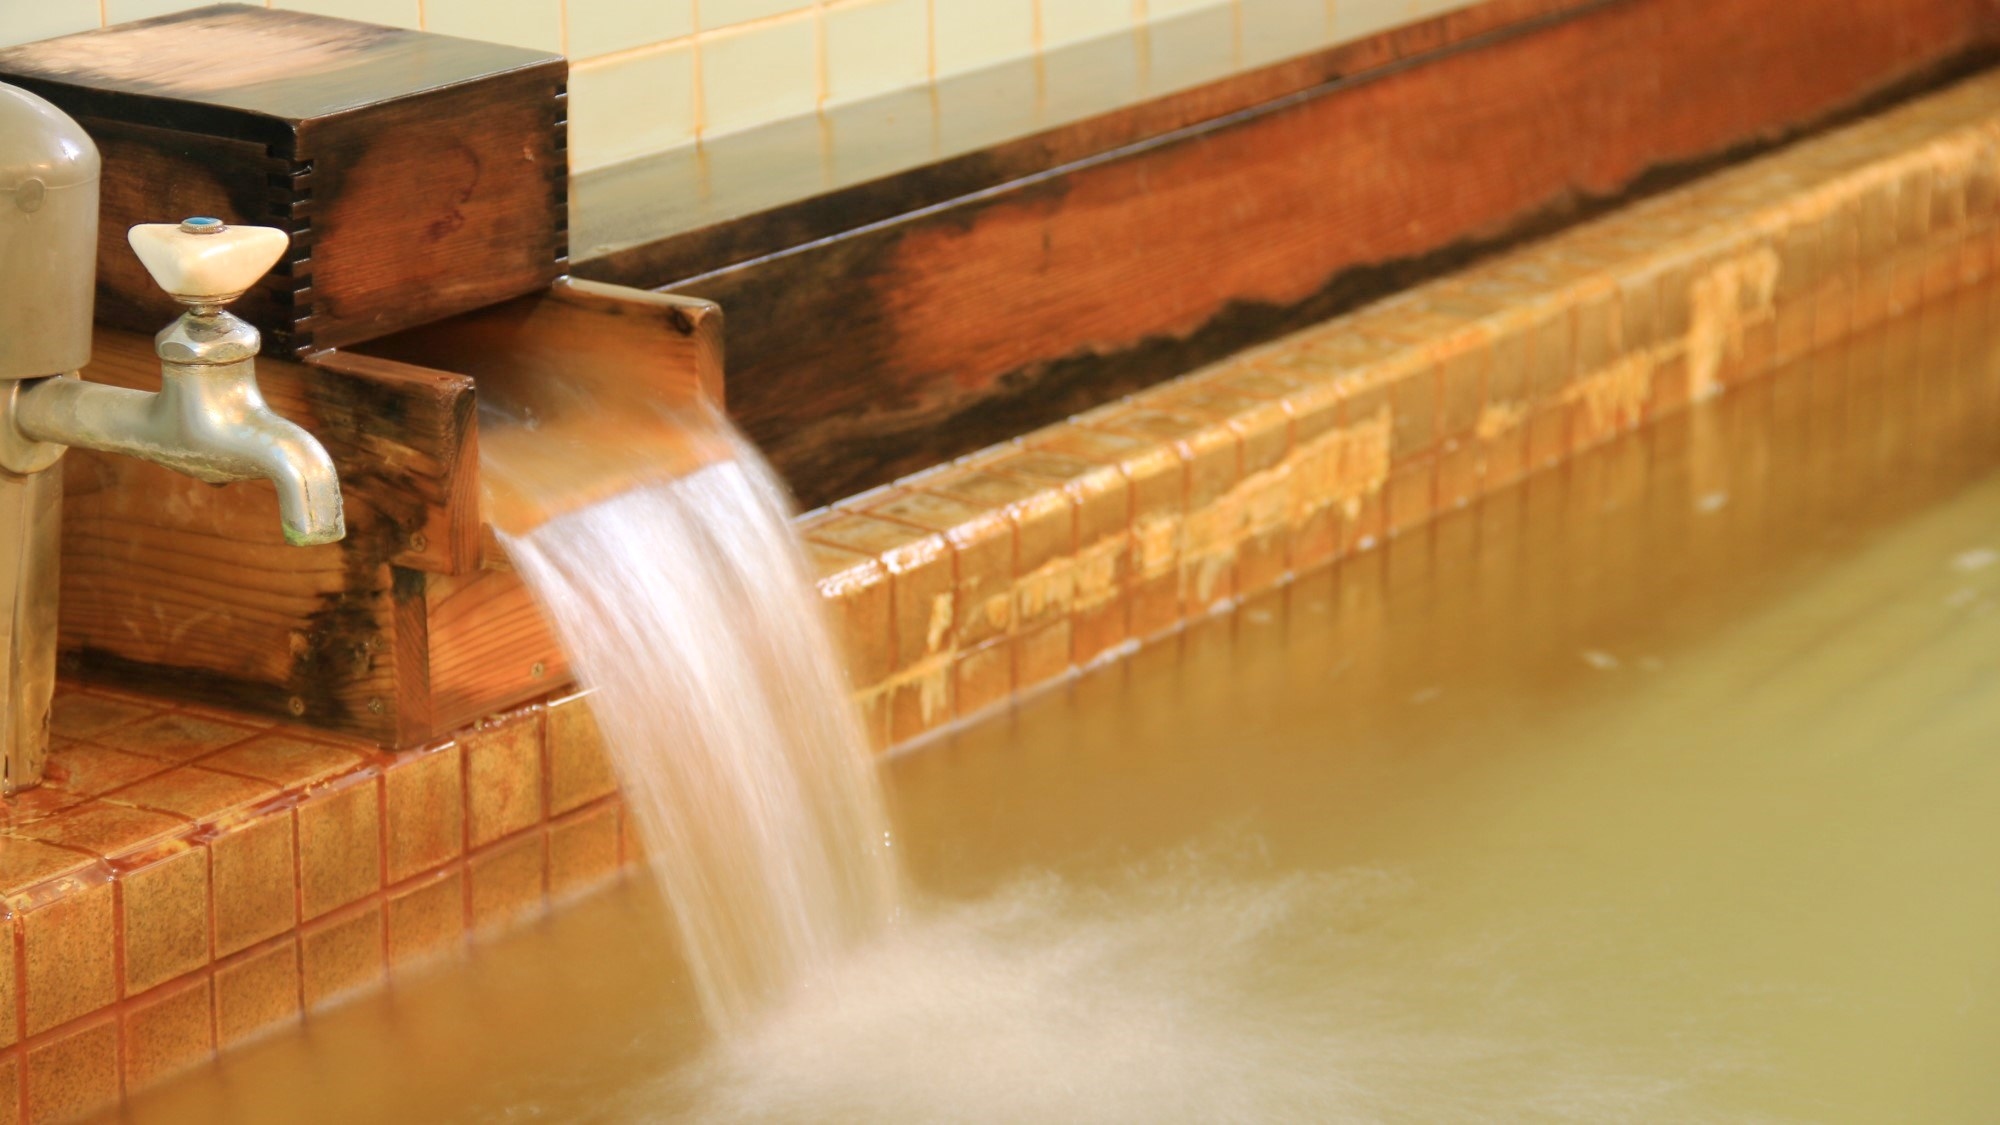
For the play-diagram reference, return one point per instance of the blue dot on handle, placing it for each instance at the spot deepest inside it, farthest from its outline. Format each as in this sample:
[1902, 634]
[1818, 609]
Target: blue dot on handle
[201, 222]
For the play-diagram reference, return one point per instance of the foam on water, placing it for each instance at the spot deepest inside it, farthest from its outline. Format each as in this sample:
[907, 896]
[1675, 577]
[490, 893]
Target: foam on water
[688, 607]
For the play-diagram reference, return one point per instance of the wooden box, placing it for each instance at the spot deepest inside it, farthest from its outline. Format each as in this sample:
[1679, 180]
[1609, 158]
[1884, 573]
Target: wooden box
[419, 175]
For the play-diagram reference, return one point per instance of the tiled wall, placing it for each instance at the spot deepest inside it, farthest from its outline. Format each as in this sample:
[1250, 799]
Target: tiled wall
[653, 74]
[958, 588]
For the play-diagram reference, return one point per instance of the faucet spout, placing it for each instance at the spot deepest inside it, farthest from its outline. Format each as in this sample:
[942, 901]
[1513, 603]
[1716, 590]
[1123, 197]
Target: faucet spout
[208, 421]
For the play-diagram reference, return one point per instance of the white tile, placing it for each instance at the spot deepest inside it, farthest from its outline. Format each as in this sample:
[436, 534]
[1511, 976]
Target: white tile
[1068, 21]
[1189, 50]
[724, 13]
[24, 21]
[1281, 29]
[125, 11]
[875, 47]
[631, 106]
[1353, 19]
[971, 34]
[394, 13]
[599, 27]
[535, 24]
[766, 72]
[1168, 9]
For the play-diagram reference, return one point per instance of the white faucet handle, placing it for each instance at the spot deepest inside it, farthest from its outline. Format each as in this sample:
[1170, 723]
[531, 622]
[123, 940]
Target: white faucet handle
[206, 262]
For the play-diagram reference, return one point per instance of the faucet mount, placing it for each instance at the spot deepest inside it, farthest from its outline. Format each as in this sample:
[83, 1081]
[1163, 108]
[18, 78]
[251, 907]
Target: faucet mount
[207, 420]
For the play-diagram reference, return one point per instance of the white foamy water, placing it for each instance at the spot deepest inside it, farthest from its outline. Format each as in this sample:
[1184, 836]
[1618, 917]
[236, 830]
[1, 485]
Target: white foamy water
[688, 606]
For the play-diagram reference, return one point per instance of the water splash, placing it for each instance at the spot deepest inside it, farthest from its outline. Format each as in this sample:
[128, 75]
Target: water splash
[688, 607]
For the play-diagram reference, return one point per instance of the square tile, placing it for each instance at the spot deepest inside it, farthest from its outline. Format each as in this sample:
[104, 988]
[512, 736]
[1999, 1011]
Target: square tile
[195, 793]
[177, 737]
[68, 954]
[10, 988]
[256, 893]
[766, 72]
[971, 34]
[85, 715]
[579, 768]
[982, 543]
[1072, 21]
[876, 46]
[599, 27]
[427, 919]
[983, 677]
[25, 864]
[503, 778]
[583, 850]
[286, 761]
[164, 917]
[340, 847]
[106, 829]
[257, 992]
[85, 770]
[424, 798]
[168, 1032]
[723, 13]
[394, 13]
[922, 580]
[855, 590]
[507, 881]
[75, 1075]
[46, 20]
[534, 24]
[341, 956]
[1041, 656]
[631, 106]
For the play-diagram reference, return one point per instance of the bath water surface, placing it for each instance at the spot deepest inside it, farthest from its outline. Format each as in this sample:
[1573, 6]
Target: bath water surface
[1659, 788]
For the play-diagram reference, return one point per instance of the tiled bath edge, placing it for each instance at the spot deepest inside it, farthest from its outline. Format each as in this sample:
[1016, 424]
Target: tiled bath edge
[188, 880]
[959, 588]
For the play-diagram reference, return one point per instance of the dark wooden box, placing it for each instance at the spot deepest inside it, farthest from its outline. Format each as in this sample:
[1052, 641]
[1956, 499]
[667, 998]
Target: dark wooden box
[419, 175]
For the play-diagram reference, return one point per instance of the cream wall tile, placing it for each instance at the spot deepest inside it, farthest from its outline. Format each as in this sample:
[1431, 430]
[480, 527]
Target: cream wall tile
[124, 11]
[876, 46]
[765, 72]
[630, 106]
[1193, 48]
[599, 27]
[1353, 19]
[723, 13]
[24, 21]
[535, 24]
[1067, 21]
[1167, 9]
[1279, 29]
[971, 34]
[395, 13]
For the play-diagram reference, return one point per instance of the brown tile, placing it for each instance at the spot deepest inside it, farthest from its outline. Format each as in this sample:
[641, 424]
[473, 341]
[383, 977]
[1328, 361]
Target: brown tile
[427, 918]
[28, 863]
[583, 850]
[983, 677]
[68, 952]
[341, 956]
[10, 1088]
[340, 846]
[74, 1075]
[195, 793]
[507, 881]
[1041, 656]
[33, 806]
[855, 590]
[106, 829]
[982, 543]
[76, 714]
[503, 778]
[10, 985]
[286, 761]
[921, 578]
[91, 771]
[257, 992]
[176, 737]
[168, 1032]
[579, 768]
[1412, 495]
[256, 894]
[164, 921]
[1044, 522]
[1211, 451]
[424, 794]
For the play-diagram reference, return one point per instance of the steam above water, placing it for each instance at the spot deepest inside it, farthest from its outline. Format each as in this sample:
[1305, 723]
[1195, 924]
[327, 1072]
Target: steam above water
[687, 605]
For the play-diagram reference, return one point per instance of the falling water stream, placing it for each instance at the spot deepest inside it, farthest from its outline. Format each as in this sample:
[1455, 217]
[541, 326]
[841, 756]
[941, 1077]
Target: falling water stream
[686, 605]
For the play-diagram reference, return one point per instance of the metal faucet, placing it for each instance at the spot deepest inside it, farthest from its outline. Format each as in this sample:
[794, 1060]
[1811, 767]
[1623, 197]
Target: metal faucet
[208, 419]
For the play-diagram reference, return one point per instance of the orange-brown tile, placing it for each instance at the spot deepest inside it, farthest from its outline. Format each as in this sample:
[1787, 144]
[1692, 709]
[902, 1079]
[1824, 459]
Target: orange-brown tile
[10, 984]
[427, 918]
[167, 1032]
[73, 1075]
[503, 778]
[76, 714]
[286, 761]
[1412, 495]
[983, 677]
[176, 737]
[10, 1088]
[164, 922]
[195, 793]
[106, 829]
[257, 992]
[424, 797]
[28, 863]
[67, 953]
[1211, 451]
[340, 846]
[855, 591]
[1552, 357]
[982, 543]
[583, 850]
[922, 581]
[341, 955]
[1044, 520]
[919, 700]
[579, 769]
[90, 771]
[873, 706]
[507, 881]
[251, 870]
[1041, 656]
